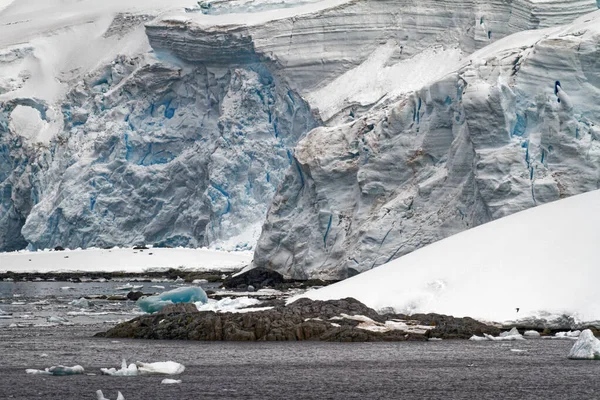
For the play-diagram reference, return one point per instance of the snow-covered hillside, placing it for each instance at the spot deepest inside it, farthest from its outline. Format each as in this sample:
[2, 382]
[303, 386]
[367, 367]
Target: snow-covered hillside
[515, 126]
[543, 261]
[174, 123]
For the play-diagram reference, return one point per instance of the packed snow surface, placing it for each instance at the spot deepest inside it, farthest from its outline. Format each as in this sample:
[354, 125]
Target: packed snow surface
[532, 255]
[156, 303]
[120, 259]
[587, 347]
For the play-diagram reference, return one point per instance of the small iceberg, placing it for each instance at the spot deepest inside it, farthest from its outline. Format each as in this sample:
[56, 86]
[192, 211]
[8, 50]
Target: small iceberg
[185, 294]
[129, 286]
[532, 334]
[570, 335]
[587, 347]
[171, 381]
[100, 396]
[59, 370]
[513, 334]
[81, 303]
[141, 368]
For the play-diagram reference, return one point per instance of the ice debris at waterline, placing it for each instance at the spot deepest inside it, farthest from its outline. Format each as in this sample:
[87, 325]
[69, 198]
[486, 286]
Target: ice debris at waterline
[100, 396]
[171, 381]
[59, 370]
[140, 368]
[156, 303]
[82, 303]
[513, 334]
[587, 347]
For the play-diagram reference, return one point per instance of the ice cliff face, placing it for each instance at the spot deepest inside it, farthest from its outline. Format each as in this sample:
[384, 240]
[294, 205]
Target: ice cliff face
[179, 130]
[516, 126]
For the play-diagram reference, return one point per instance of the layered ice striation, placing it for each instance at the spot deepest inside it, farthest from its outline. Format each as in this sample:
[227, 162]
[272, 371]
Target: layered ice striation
[587, 347]
[179, 130]
[517, 125]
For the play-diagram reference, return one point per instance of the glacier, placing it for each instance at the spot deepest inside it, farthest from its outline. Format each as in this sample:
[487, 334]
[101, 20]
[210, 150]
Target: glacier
[329, 136]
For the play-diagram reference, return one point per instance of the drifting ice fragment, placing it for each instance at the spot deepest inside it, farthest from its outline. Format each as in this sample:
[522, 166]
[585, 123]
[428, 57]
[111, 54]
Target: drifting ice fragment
[160, 368]
[100, 396]
[140, 368]
[568, 335]
[56, 320]
[171, 381]
[476, 338]
[82, 303]
[59, 370]
[129, 286]
[531, 334]
[156, 303]
[125, 370]
[512, 332]
[587, 347]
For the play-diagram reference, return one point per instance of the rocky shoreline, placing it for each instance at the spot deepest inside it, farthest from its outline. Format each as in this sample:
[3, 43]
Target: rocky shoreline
[345, 320]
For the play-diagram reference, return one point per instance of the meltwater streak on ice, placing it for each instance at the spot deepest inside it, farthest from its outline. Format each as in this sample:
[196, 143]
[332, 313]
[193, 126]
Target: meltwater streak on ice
[539, 260]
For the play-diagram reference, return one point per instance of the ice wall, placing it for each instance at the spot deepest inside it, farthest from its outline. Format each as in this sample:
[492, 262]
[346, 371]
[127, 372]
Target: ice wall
[515, 127]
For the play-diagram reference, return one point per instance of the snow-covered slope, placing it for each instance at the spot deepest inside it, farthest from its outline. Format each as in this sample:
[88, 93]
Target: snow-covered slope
[517, 125]
[540, 260]
[123, 260]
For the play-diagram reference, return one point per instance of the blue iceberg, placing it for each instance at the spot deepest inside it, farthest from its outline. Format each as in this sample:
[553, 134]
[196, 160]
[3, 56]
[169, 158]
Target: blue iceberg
[156, 303]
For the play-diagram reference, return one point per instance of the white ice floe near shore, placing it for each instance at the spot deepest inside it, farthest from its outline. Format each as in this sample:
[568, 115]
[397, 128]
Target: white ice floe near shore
[587, 347]
[59, 370]
[141, 368]
[122, 259]
[520, 261]
[227, 304]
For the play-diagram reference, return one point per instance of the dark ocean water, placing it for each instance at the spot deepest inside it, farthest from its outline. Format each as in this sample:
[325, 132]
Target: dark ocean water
[303, 370]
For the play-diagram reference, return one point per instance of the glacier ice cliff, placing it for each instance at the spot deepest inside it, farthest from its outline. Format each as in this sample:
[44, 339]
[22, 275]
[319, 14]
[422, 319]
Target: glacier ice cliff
[516, 126]
[178, 129]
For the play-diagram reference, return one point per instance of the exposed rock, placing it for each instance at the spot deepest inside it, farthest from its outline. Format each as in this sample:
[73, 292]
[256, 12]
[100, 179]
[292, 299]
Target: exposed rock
[335, 320]
[134, 295]
[257, 277]
[179, 308]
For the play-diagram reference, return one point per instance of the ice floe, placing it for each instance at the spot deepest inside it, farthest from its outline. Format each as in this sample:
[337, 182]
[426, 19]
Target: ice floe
[227, 304]
[170, 381]
[59, 370]
[141, 368]
[100, 396]
[587, 347]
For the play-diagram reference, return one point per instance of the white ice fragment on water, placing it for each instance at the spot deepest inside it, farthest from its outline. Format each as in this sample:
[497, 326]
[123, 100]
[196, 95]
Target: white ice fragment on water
[140, 368]
[43, 355]
[476, 338]
[335, 325]
[59, 370]
[160, 368]
[434, 339]
[170, 381]
[57, 320]
[129, 286]
[587, 347]
[512, 332]
[504, 338]
[156, 303]
[157, 287]
[567, 335]
[518, 350]
[199, 281]
[67, 288]
[531, 334]
[100, 396]
[125, 370]
[82, 303]
[179, 280]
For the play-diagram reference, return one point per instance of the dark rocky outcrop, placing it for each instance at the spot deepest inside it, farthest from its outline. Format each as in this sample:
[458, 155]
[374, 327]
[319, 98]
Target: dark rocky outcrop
[256, 277]
[302, 320]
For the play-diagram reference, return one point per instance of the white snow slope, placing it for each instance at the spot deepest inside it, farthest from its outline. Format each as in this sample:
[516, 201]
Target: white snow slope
[123, 260]
[543, 259]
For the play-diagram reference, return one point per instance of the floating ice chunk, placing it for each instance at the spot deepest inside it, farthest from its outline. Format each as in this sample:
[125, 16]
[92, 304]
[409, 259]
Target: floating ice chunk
[587, 347]
[100, 396]
[171, 381]
[125, 370]
[476, 338]
[199, 281]
[140, 368]
[179, 280]
[531, 334]
[504, 338]
[518, 350]
[59, 370]
[129, 286]
[186, 294]
[157, 286]
[512, 332]
[434, 339]
[567, 335]
[57, 320]
[67, 288]
[82, 303]
[160, 368]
